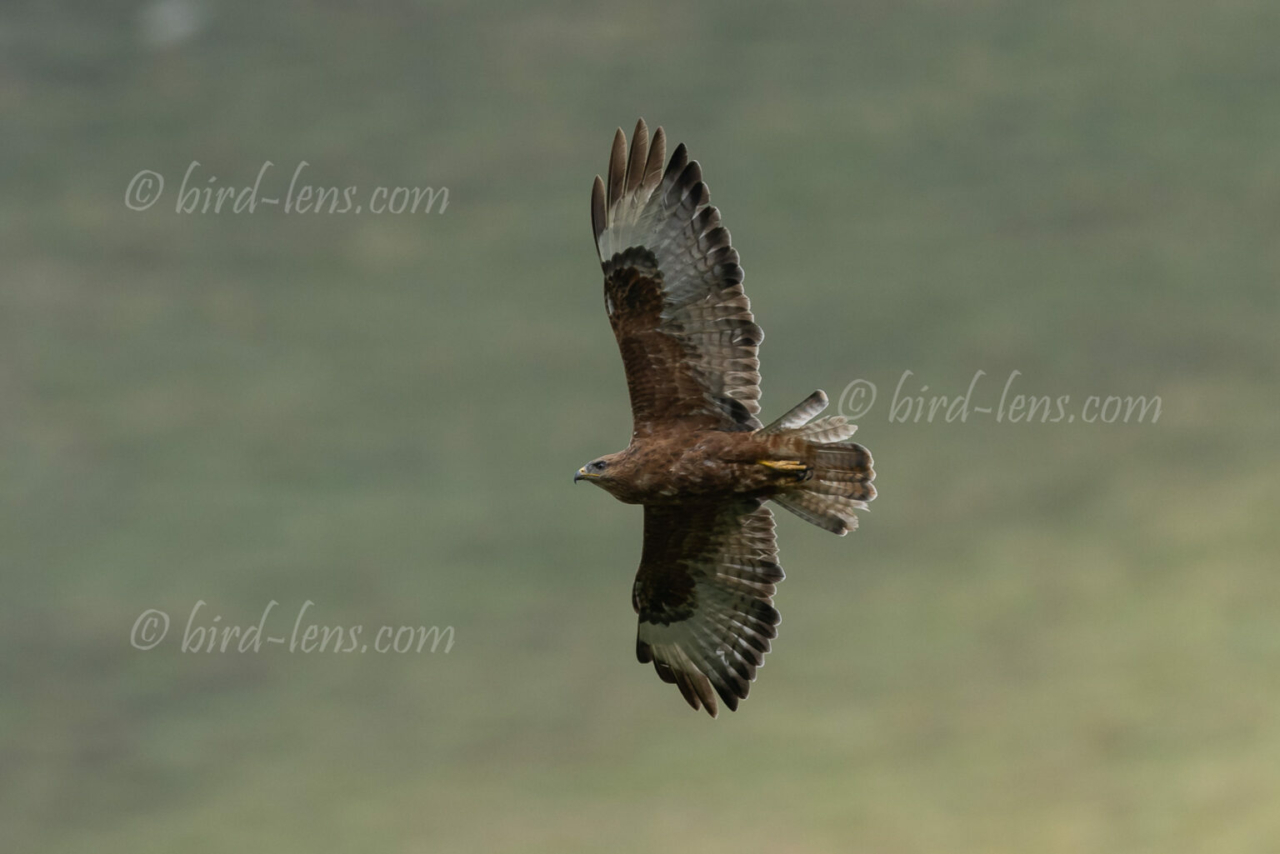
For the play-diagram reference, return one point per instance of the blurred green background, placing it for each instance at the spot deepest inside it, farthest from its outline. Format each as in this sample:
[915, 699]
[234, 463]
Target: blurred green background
[1046, 637]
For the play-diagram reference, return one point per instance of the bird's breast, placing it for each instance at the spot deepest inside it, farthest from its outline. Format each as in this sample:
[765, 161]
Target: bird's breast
[680, 469]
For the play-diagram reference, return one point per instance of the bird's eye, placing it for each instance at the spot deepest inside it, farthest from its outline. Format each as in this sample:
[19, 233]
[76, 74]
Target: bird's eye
[598, 465]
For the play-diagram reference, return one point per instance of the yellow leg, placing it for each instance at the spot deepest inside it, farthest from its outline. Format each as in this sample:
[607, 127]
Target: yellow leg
[784, 465]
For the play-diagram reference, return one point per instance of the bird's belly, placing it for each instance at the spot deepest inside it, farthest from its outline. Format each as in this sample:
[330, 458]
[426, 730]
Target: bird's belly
[696, 474]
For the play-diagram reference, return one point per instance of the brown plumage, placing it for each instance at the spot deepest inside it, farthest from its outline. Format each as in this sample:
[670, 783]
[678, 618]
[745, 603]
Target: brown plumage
[699, 459]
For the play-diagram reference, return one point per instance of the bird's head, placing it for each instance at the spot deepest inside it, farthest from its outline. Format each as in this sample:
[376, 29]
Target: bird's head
[601, 471]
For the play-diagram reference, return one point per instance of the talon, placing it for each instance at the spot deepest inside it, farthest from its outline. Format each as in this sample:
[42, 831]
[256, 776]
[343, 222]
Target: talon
[784, 465]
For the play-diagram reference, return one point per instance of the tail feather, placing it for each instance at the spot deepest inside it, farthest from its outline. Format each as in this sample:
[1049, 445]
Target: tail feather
[842, 472]
[856, 490]
[834, 428]
[832, 513]
[843, 462]
[799, 415]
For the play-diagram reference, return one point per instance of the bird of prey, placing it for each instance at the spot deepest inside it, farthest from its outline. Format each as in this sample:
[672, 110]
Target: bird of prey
[699, 460]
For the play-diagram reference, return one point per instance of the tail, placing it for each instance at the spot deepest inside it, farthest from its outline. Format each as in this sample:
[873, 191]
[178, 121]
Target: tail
[841, 474]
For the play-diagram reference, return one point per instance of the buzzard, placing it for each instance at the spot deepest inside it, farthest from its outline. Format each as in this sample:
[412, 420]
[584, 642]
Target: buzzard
[699, 460]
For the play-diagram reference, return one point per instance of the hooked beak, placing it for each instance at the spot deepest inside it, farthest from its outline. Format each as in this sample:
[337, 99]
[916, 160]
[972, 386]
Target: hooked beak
[581, 475]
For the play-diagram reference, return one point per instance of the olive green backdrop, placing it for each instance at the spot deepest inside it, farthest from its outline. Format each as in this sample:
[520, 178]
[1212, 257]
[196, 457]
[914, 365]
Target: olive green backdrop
[1047, 637]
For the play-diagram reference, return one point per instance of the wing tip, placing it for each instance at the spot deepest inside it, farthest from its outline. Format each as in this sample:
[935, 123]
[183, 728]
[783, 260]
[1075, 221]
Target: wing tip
[599, 220]
[638, 158]
[617, 167]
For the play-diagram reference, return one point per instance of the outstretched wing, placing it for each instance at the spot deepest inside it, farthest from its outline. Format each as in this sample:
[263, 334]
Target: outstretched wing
[673, 291]
[704, 594]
